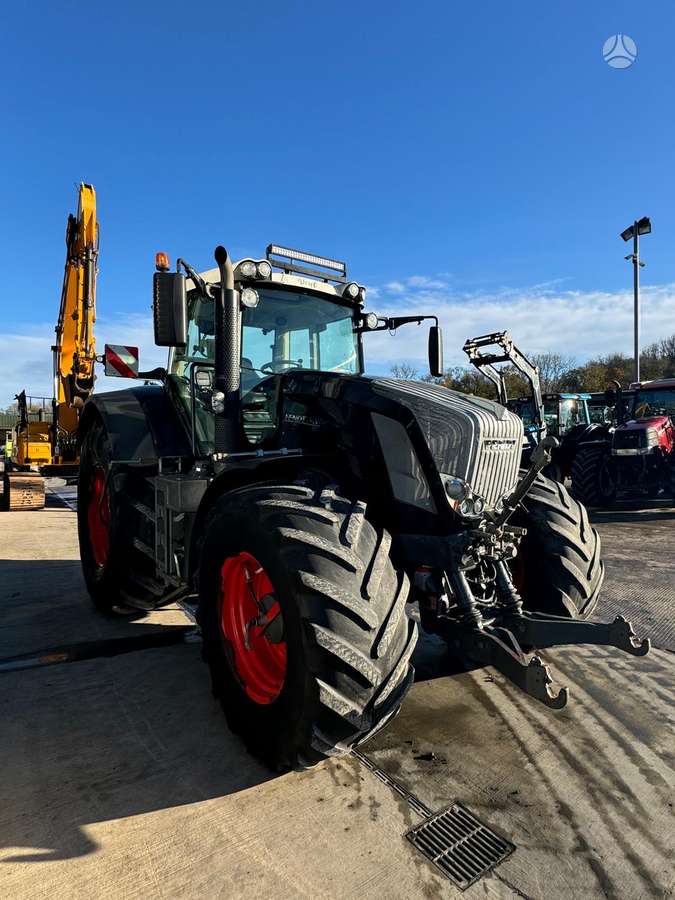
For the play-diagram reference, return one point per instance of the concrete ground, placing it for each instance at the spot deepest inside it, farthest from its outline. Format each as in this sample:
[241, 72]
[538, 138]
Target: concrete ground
[121, 780]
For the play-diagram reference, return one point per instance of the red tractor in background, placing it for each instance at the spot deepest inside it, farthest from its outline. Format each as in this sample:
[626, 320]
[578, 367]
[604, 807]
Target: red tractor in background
[637, 458]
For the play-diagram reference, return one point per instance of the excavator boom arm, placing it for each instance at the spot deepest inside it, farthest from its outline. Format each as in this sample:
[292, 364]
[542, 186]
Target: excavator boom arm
[75, 346]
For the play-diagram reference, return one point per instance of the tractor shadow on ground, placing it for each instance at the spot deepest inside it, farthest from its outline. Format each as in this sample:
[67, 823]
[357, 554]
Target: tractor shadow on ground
[105, 738]
[110, 739]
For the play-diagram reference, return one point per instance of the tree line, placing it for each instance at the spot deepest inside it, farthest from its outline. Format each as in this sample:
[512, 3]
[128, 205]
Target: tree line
[558, 372]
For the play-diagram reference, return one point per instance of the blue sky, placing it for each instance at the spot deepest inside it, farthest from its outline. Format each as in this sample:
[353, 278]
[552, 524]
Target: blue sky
[478, 158]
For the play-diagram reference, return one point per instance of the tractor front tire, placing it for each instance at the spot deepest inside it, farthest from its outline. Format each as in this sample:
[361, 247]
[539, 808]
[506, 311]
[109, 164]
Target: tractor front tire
[592, 483]
[304, 622]
[558, 569]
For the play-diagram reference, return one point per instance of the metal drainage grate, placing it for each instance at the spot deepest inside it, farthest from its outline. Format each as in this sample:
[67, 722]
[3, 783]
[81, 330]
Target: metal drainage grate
[459, 845]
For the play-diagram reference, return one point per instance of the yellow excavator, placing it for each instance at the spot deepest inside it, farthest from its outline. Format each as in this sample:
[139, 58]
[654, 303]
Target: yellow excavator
[50, 448]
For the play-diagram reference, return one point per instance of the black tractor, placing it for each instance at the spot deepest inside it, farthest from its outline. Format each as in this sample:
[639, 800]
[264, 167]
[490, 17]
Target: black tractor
[301, 507]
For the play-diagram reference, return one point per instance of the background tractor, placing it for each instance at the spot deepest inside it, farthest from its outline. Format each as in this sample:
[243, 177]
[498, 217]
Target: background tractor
[567, 417]
[301, 506]
[635, 459]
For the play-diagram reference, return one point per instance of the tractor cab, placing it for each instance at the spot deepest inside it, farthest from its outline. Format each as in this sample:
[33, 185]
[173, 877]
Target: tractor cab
[563, 412]
[305, 317]
[288, 324]
[604, 408]
[654, 398]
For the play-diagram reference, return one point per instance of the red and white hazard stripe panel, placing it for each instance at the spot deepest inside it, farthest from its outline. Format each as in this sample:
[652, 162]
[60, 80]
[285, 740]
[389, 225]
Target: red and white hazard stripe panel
[121, 361]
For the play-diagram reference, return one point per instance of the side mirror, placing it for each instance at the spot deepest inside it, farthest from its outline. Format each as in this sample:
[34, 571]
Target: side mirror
[120, 361]
[169, 308]
[435, 351]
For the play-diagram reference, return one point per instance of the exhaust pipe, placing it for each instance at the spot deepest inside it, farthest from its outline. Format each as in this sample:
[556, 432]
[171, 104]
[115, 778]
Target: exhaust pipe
[227, 328]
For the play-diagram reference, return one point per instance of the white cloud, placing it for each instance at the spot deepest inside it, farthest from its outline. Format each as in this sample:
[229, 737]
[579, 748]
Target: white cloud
[423, 281]
[574, 323]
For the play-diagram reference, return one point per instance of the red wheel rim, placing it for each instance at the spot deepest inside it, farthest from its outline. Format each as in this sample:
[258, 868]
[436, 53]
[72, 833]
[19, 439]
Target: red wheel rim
[98, 517]
[251, 622]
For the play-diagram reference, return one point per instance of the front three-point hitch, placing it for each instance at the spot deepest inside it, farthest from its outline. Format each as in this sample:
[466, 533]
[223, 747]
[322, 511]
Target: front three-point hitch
[499, 642]
[503, 634]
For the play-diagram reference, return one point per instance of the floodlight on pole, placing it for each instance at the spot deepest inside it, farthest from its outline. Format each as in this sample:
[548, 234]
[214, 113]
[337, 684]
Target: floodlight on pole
[639, 226]
[644, 225]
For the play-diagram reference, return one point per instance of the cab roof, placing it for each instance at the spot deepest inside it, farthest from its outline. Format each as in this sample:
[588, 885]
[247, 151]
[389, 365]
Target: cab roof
[653, 385]
[212, 276]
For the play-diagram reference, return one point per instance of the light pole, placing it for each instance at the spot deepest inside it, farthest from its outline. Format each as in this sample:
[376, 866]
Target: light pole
[639, 226]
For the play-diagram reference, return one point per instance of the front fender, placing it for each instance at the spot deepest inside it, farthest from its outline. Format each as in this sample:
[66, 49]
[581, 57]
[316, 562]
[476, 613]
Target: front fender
[142, 422]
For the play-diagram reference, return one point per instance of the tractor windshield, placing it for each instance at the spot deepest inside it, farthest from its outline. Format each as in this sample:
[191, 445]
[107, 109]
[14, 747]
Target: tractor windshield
[573, 412]
[655, 402]
[287, 330]
[525, 410]
[292, 330]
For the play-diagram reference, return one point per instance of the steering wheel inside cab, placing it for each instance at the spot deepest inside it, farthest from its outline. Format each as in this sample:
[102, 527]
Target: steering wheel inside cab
[280, 365]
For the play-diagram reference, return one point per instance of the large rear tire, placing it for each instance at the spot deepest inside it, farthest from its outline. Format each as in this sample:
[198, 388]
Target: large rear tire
[592, 482]
[328, 662]
[119, 577]
[558, 569]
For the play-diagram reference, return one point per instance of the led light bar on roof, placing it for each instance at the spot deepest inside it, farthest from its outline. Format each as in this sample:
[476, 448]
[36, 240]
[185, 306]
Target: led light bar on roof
[300, 256]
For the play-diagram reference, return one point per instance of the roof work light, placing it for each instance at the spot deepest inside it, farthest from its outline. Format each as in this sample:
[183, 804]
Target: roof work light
[288, 259]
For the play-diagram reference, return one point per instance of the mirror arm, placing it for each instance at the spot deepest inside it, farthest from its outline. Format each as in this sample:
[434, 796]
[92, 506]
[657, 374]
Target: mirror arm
[391, 323]
[158, 374]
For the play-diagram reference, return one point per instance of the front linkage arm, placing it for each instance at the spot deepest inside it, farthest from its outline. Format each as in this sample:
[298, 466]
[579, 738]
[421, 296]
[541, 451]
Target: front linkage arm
[508, 352]
[499, 640]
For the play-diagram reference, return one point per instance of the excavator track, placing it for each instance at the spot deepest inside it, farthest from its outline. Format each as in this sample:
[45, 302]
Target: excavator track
[22, 490]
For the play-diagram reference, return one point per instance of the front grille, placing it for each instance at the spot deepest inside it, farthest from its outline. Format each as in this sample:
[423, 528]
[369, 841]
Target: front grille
[470, 438]
[460, 845]
[496, 469]
[629, 439]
